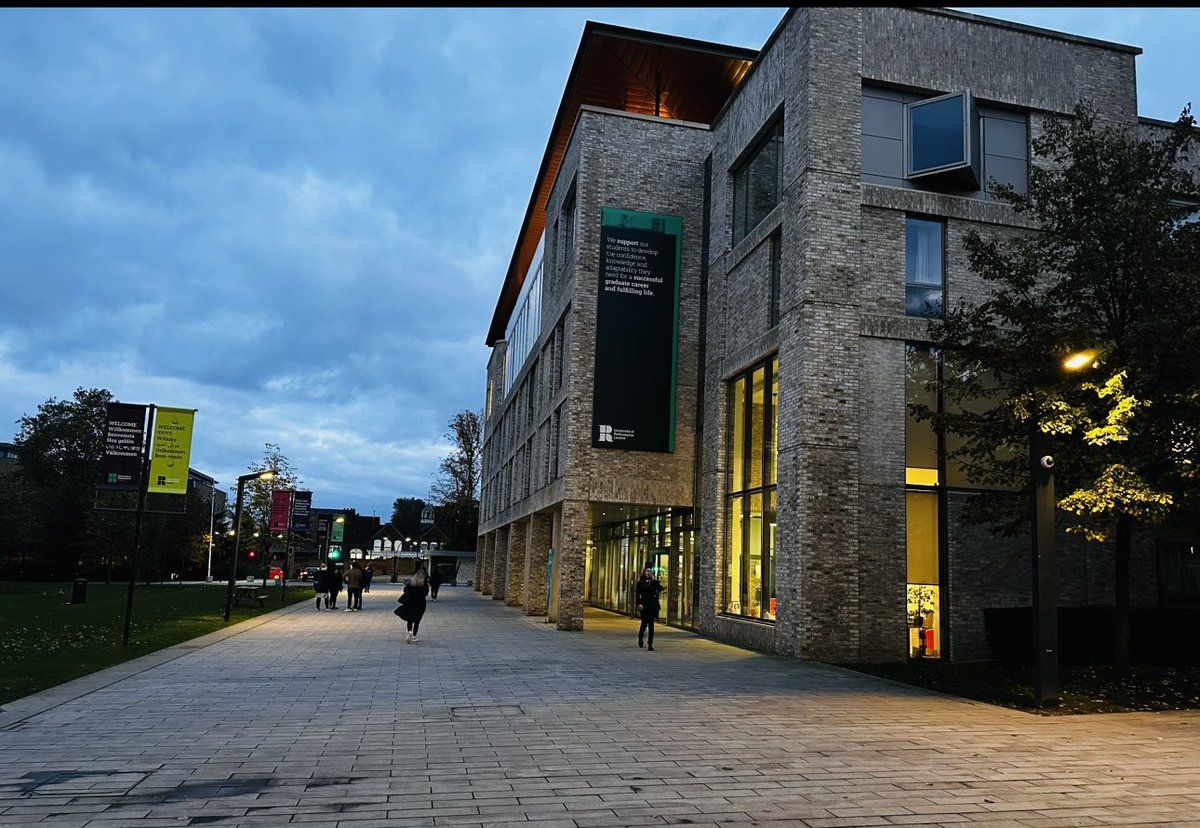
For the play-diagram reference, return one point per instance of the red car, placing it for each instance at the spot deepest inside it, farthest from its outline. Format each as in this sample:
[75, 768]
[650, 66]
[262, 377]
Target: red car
[276, 572]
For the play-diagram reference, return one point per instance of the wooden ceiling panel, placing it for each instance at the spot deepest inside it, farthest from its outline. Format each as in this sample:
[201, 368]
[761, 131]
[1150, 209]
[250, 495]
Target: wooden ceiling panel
[630, 71]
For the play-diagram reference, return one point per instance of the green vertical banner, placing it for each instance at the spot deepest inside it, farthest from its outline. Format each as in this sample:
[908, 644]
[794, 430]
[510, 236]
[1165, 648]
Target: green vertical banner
[637, 331]
[172, 451]
[337, 532]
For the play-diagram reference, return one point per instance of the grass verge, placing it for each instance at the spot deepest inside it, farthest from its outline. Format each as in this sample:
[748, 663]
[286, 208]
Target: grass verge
[1083, 689]
[46, 640]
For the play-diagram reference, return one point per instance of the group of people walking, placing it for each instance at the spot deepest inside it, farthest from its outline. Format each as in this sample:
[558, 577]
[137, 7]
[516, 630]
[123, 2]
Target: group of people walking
[330, 581]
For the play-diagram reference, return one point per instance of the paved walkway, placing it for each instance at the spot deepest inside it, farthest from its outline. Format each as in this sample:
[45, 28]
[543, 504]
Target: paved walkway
[330, 719]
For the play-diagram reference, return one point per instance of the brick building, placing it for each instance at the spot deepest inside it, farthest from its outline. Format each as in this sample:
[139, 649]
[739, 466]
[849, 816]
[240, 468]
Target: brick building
[745, 430]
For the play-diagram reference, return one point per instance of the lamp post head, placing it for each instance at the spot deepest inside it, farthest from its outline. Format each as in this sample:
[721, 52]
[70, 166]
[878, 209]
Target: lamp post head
[1081, 360]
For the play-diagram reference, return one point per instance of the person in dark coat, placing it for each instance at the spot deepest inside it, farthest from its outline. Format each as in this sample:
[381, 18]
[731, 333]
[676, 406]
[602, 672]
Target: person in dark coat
[648, 591]
[320, 581]
[412, 603]
[435, 581]
[333, 582]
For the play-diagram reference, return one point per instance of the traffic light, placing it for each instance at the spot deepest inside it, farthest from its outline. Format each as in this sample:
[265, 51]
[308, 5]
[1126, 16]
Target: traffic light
[251, 554]
[335, 553]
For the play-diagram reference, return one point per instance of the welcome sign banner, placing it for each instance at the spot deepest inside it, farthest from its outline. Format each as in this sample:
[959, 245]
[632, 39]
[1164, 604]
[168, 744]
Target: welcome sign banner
[281, 510]
[172, 451]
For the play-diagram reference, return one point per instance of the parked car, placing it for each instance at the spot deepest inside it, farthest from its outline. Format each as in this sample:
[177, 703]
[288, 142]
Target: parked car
[276, 572]
[309, 573]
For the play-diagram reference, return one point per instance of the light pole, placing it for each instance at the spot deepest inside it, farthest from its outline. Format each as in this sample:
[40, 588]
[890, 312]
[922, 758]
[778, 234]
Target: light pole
[212, 518]
[1045, 559]
[237, 532]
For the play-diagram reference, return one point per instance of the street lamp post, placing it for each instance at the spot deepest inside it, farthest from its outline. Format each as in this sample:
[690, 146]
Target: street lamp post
[212, 520]
[237, 530]
[1045, 557]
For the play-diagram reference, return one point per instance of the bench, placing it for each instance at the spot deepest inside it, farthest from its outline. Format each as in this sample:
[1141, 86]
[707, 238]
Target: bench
[244, 594]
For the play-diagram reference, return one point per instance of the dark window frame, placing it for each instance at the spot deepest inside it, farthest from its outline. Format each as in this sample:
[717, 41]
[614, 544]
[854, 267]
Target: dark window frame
[746, 216]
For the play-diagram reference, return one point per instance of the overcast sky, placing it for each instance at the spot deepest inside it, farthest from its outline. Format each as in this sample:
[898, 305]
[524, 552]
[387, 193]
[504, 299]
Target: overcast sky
[298, 221]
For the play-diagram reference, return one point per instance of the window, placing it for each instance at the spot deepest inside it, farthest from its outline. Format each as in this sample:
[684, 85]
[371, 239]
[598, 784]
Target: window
[776, 271]
[525, 326]
[750, 512]
[757, 182]
[923, 519]
[564, 229]
[923, 268]
[999, 140]
[942, 140]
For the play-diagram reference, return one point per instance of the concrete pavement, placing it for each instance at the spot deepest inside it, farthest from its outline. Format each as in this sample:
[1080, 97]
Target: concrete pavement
[330, 719]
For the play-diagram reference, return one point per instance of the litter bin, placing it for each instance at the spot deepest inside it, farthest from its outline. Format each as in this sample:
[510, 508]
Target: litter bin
[79, 591]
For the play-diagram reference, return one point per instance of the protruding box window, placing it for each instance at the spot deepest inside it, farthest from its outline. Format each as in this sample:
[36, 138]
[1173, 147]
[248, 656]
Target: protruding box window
[942, 140]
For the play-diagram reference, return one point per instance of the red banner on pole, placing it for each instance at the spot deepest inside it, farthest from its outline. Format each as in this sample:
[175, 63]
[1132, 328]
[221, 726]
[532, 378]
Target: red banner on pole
[281, 510]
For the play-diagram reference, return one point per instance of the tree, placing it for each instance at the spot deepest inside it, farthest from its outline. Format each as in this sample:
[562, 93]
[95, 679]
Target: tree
[257, 502]
[455, 492]
[60, 449]
[1114, 265]
[406, 515]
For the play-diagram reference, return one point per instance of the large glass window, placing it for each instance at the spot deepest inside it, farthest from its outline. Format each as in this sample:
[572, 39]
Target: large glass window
[757, 182]
[924, 286]
[923, 522]
[750, 559]
[525, 326]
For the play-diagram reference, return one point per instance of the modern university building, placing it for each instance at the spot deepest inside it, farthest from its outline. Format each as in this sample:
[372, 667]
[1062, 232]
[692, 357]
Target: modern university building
[717, 311]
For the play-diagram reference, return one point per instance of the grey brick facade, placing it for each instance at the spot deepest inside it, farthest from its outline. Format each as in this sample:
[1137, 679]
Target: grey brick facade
[841, 337]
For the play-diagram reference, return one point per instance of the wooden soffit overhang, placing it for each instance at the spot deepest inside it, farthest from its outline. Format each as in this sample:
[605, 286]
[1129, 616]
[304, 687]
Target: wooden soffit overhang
[630, 71]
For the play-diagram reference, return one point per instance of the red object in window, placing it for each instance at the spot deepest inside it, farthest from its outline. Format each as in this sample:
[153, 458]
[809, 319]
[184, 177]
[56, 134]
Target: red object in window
[772, 606]
[929, 646]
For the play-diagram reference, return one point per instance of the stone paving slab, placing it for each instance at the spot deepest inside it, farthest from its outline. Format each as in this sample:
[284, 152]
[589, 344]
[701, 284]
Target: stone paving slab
[493, 719]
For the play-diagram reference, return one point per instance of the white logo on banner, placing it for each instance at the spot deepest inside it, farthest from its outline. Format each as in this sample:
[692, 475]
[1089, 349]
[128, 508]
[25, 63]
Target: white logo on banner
[606, 434]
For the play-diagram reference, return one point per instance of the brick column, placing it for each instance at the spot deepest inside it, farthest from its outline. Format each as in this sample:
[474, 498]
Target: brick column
[569, 560]
[537, 550]
[514, 584]
[483, 573]
[500, 563]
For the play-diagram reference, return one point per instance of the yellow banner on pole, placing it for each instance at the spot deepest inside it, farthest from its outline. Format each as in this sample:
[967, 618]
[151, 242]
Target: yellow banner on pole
[172, 450]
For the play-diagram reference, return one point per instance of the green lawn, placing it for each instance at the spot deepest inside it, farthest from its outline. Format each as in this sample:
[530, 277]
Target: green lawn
[45, 640]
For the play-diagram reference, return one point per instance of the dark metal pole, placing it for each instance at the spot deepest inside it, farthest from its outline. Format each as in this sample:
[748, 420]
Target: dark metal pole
[237, 543]
[1045, 568]
[287, 561]
[144, 483]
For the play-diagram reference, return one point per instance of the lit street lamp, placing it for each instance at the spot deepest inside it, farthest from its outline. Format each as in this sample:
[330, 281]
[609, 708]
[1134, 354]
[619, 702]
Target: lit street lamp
[237, 528]
[1045, 560]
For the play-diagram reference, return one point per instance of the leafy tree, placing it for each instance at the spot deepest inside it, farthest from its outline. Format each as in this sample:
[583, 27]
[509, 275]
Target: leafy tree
[455, 492]
[60, 449]
[1114, 266]
[257, 502]
[406, 515]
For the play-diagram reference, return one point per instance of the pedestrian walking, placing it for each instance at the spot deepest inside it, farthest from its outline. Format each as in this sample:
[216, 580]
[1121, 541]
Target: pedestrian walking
[321, 585]
[368, 574]
[412, 603]
[333, 576]
[435, 581]
[648, 591]
[354, 588]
